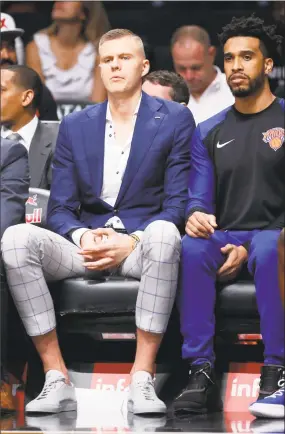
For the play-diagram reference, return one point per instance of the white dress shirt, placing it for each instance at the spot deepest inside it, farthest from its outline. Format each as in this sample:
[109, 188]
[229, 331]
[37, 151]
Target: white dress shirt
[115, 162]
[27, 132]
[214, 99]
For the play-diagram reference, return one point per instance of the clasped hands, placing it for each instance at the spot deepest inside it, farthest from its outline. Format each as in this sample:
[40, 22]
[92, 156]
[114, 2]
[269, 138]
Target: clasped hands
[104, 248]
[201, 225]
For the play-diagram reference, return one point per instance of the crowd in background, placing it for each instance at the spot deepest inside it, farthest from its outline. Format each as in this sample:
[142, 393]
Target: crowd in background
[59, 39]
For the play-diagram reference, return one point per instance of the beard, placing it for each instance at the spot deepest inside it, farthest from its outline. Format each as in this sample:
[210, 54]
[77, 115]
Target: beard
[253, 86]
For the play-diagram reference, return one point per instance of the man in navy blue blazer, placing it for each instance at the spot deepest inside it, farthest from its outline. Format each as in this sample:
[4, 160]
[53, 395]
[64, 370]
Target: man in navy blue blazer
[117, 202]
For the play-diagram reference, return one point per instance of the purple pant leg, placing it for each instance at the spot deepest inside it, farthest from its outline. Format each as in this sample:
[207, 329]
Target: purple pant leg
[263, 264]
[200, 261]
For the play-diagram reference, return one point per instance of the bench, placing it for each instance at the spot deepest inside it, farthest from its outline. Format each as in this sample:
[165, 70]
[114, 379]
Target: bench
[107, 305]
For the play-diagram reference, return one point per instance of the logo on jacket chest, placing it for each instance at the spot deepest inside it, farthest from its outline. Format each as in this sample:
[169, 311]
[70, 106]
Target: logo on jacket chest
[274, 137]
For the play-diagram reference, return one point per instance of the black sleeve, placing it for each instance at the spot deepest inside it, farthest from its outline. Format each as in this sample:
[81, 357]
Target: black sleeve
[47, 108]
[14, 186]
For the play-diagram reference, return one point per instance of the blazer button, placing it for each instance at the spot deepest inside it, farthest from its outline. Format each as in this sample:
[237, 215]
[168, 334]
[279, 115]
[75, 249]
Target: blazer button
[115, 211]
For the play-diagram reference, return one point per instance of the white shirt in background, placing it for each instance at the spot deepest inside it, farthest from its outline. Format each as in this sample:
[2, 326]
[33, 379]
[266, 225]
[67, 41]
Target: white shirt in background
[73, 84]
[27, 132]
[115, 162]
[215, 98]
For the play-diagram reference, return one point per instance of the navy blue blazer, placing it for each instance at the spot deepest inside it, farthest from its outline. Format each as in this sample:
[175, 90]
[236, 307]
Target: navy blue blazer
[154, 186]
[14, 170]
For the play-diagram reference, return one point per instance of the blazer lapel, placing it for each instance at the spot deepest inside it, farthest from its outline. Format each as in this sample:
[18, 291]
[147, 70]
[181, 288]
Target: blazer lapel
[93, 132]
[38, 153]
[146, 128]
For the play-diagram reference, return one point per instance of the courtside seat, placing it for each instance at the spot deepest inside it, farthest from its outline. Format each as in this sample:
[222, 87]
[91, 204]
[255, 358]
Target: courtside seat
[107, 304]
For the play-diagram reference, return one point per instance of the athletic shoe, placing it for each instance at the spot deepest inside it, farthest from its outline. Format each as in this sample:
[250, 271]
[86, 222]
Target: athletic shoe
[201, 394]
[55, 397]
[142, 398]
[271, 406]
[271, 379]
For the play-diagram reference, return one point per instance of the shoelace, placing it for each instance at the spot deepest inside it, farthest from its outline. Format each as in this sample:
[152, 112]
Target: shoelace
[147, 390]
[48, 387]
[201, 371]
[278, 392]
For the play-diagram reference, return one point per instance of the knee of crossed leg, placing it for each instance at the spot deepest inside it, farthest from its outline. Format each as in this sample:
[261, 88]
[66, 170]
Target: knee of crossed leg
[162, 241]
[17, 237]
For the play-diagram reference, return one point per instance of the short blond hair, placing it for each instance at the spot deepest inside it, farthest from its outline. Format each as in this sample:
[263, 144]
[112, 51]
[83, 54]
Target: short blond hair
[120, 33]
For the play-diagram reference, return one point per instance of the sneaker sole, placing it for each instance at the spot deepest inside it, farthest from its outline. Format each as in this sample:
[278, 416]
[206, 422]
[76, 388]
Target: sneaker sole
[140, 410]
[184, 407]
[268, 411]
[69, 406]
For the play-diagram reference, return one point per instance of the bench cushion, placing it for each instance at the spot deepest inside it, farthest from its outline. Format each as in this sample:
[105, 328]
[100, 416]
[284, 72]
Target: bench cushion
[117, 295]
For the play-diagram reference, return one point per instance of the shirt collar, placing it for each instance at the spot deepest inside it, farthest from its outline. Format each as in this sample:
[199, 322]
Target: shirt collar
[108, 112]
[216, 83]
[214, 86]
[26, 132]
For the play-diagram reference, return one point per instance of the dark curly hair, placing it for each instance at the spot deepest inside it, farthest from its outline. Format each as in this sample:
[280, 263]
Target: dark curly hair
[270, 43]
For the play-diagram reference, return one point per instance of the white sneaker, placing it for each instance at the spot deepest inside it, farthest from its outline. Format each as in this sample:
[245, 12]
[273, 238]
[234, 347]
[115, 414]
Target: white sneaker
[142, 397]
[55, 397]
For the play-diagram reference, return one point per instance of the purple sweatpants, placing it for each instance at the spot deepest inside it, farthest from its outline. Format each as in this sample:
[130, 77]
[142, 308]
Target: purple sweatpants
[200, 261]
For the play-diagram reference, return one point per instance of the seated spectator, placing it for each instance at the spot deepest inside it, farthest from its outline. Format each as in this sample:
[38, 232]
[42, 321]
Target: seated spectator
[166, 85]
[14, 189]
[116, 205]
[10, 55]
[21, 89]
[193, 58]
[64, 55]
[235, 212]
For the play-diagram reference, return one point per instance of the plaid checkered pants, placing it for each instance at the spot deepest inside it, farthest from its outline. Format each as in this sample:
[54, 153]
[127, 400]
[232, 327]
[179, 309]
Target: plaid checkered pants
[33, 256]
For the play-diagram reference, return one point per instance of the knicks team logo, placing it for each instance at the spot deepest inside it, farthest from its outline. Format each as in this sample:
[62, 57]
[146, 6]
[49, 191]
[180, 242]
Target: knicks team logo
[275, 137]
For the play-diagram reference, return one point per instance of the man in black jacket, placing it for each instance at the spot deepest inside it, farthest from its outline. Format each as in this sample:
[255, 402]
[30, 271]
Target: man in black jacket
[14, 193]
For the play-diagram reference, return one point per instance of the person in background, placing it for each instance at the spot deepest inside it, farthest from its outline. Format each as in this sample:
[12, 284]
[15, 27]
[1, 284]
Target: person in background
[10, 55]
[235, 212]
[14, 191]
[193, 58]
[64, 54]
[21, 89]
[166, 85]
